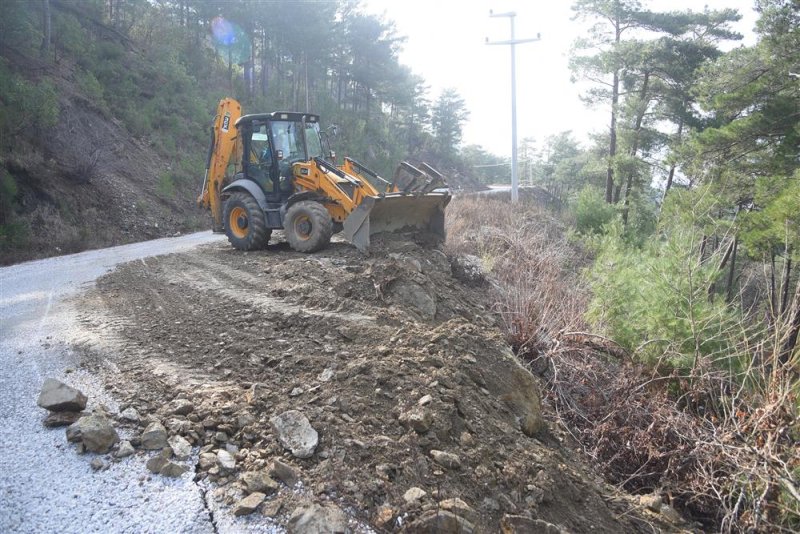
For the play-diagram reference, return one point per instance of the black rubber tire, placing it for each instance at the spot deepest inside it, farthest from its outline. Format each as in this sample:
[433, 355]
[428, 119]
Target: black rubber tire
[250, 232]
[305, 213]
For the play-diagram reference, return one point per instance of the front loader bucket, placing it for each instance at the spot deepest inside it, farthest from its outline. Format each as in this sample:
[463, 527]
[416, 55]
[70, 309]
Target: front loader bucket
[394, 212]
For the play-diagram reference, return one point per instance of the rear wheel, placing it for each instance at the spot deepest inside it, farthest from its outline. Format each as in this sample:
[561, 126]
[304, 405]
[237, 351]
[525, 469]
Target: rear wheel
[245, 224]
[308, 226]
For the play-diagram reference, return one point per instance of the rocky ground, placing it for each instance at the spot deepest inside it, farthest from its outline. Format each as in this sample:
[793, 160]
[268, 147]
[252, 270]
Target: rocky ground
[369, 392]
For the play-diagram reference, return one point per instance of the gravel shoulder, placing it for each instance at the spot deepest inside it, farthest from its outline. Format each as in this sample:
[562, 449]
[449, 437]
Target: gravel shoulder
[45, 486]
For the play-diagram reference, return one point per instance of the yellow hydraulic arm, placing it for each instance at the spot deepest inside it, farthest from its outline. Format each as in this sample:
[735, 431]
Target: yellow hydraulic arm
[225, 143]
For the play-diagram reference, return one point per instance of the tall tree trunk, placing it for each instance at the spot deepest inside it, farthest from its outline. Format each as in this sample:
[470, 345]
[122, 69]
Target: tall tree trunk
[731, 279]
[787, 274]
[789, 341]
[635, 148]
[612, 143]
[46, 29]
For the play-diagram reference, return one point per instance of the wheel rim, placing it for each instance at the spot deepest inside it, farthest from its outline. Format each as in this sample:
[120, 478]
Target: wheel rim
[302, 227]
[238, 222]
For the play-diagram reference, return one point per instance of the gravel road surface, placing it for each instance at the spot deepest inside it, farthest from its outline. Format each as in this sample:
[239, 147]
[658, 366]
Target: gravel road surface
[44, 485]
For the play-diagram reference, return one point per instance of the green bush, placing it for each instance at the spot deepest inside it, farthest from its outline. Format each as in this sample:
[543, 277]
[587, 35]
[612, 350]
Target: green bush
[654, 300]
[13, 233]
[166, 185]
[592, 213]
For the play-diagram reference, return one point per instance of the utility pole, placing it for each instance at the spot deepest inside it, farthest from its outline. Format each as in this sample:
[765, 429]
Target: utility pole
[513, 42]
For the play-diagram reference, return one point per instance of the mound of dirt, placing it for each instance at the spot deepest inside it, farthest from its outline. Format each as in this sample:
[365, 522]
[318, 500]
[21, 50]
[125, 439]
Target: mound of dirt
[415, 397]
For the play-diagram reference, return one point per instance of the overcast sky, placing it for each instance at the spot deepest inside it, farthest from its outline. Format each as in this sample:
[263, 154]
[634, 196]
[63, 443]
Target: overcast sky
[446, 45]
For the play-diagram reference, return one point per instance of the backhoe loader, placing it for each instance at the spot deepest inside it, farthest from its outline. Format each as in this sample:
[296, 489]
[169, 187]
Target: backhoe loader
[280, 180]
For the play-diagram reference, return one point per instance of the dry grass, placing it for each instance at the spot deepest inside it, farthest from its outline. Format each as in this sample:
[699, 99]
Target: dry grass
[719, 444]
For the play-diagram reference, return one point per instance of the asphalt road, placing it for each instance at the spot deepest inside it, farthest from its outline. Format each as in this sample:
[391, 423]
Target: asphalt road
[45, 486]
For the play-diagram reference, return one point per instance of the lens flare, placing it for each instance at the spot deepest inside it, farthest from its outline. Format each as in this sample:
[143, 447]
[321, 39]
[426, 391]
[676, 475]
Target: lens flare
[231, 38]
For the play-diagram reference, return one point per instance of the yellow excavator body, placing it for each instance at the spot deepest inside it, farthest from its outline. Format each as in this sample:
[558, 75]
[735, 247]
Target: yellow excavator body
[267, 171]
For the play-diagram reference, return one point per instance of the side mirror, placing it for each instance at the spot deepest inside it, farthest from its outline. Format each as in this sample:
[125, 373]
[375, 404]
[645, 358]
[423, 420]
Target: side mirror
[332, 155]
[279, 155]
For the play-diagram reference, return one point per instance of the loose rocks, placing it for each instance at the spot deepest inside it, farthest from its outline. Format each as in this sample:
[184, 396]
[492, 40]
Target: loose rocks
[259, 482]
[94, 432]
[295, 433]
[249, 504]
[55, 419]
[414, 494]
[417, 419]
[181, 448]
[125, 449]
[441, 522]
[225, 461]
[154, 436]
[317, 519]
[283, 472]
[446, 459]
[59, 397]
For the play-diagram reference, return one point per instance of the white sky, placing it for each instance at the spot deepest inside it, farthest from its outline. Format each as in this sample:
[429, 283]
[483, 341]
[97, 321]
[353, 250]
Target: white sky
[446, 45]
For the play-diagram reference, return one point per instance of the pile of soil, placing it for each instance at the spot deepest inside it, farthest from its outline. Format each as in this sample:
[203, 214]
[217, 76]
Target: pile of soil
[389, 356]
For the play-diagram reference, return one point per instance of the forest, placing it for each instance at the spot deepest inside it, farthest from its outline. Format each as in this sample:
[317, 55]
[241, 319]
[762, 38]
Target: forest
[672, 240]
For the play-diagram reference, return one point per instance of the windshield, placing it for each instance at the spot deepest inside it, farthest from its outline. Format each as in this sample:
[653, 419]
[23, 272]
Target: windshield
[289, 140]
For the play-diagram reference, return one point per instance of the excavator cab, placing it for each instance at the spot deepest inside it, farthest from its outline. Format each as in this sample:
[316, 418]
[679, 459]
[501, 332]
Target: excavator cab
[281, 180]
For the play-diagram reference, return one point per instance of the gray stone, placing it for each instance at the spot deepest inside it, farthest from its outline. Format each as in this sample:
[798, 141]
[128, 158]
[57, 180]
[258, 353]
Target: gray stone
[446, 459]
[296, 392]
[180, 407]
[59, 397]
[295, 433]
[155, 463]
[56, 419]
[259, 482]
[326, 375]
[426, 399]
[95, 432]
[125, 449]
[181, 448]
[171, 469]
[413, 295]
[283, 472]
[272, 508]
[317, 519]
[414, 494]
[154, 436]
[225, 461]
[207, 460]
[418, 419]
[459, 508]
[249, 504]
[97, 464]
[130, 415]
[441, 522]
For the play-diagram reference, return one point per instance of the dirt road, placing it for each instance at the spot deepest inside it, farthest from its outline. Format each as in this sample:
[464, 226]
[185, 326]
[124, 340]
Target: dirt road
[44, 486]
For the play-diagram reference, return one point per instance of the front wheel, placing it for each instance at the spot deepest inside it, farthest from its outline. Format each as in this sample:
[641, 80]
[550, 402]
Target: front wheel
[308, 226]
[245, 224]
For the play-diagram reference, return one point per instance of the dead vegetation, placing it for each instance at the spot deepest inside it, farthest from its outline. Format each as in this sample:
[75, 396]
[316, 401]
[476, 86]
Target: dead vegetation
[718, 445]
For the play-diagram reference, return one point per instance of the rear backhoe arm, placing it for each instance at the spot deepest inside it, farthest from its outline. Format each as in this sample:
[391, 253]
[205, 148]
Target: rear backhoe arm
[225, 149]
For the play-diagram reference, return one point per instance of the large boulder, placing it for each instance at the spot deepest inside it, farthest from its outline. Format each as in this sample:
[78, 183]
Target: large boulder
[95, 432]
[295, 433]
[59, 397]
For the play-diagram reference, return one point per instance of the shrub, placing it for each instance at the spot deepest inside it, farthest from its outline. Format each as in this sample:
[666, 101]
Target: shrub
[166, 186]
[591, 211]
